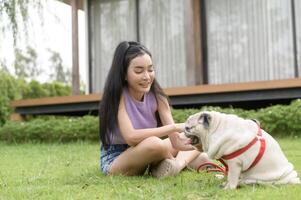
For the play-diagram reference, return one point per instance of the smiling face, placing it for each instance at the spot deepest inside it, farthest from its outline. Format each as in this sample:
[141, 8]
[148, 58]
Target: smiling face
[140, 76]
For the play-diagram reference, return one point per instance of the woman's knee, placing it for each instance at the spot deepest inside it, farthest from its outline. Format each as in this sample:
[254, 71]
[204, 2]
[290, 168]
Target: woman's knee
[155, 146]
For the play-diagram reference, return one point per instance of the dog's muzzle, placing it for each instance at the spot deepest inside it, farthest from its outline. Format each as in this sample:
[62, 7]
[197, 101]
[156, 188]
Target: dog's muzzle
[194, 139]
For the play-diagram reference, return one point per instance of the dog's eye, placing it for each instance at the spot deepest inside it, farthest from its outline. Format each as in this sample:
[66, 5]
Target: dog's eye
[187, 129]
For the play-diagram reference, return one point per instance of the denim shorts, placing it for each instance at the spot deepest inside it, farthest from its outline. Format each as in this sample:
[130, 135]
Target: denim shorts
[107, 156]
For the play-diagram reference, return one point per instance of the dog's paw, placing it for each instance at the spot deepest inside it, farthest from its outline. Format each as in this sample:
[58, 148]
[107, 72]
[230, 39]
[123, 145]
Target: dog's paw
[229, 186]
[219, 176]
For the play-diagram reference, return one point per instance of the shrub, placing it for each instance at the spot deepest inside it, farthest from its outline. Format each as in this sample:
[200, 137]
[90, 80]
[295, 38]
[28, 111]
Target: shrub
[59, 129]
[14, 89]
[35, 89]
[282, 120]
[8, 91]
[279, 120]
[57, 89]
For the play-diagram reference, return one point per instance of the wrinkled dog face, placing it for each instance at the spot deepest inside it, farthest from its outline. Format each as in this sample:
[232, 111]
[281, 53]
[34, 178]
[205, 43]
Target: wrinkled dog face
[196, 128]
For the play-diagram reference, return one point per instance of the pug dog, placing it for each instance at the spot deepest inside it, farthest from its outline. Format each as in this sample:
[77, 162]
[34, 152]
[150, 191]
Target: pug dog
[250, 154]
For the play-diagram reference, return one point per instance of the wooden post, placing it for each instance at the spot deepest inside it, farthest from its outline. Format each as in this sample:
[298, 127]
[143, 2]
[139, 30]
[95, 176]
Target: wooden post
[75, 54]
[193, 44]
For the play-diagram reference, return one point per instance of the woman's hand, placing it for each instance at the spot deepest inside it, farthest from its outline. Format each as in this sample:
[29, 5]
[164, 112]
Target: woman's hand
[180, 127]
[180, 142]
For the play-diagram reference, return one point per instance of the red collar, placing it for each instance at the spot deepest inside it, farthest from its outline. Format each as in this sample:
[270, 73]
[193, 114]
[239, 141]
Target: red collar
[244, 149]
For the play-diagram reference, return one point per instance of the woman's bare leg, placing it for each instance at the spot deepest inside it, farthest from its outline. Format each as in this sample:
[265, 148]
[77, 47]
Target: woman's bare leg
[154, 151]
[135, 160]
[200, 159]
[186, 157]
[170, 167]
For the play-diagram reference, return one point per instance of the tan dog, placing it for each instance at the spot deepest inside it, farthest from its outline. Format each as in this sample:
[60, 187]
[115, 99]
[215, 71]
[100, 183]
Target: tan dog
[250, 154]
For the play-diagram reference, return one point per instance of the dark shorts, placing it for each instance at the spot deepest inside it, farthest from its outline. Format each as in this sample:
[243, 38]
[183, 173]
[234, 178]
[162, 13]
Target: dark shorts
[107, 156]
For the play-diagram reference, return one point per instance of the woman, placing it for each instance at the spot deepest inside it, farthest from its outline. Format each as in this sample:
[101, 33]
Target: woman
[132, 107]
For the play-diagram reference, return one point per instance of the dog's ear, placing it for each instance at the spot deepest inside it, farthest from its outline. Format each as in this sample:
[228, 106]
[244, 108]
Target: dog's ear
[205, 119]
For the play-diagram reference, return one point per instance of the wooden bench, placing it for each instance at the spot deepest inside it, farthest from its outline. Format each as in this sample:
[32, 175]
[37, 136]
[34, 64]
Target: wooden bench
[180, 96]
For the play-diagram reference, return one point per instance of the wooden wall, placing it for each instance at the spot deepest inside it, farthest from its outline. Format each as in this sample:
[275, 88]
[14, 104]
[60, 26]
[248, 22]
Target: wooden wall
[250, 40]
[298, 33]
[200, 41]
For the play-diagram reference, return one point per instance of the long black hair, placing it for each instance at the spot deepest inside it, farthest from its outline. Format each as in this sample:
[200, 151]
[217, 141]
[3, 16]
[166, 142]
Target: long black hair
[115, 82]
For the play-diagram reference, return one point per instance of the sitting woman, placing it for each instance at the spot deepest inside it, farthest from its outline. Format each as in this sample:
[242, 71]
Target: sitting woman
[135, 115]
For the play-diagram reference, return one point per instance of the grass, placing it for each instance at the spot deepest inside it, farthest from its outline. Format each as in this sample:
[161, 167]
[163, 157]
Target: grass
[71, 171]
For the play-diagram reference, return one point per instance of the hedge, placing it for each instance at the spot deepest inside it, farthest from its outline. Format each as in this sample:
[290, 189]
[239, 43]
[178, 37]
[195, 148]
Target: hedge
[12, 88]
[51, 129]
[278, 120]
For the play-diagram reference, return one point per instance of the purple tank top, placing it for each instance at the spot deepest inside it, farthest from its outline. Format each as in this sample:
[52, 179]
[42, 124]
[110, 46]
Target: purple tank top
[141, 113]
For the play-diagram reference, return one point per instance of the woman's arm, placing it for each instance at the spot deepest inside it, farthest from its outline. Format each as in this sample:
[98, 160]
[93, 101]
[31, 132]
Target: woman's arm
[166, 118]
[134, 136]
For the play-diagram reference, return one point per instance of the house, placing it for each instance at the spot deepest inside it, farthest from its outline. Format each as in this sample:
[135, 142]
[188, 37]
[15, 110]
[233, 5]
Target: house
[204, 51]
[197, 42]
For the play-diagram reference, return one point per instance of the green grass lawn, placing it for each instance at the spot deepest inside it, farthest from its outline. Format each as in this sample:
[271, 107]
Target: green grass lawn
[71, 171]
